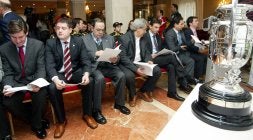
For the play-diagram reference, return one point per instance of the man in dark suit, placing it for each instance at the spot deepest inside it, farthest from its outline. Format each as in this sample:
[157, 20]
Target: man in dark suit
[175, 41]
[23, 60]
[196, 53]
[167, 61]
[8, 15]
[96, 42]
[67, 62]
[4, 125]
[134, 49]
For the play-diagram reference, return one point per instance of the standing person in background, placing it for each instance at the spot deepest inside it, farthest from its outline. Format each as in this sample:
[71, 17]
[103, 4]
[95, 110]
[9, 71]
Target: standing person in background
[77, 26]
[117, 32]
[8, 15]
[174, 12]
[163, 22]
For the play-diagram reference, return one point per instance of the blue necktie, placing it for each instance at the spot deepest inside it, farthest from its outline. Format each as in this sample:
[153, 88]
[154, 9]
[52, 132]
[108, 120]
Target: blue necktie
[179, 39]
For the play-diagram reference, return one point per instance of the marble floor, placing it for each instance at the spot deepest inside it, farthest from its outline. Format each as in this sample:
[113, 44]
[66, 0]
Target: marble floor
[144, 123]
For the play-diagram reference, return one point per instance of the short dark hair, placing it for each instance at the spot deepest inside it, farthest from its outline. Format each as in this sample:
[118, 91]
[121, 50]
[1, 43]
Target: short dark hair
[16, 26]
[153, 21]
[95, 20]
[190, 20]
[175, 5]
[68, 21]
[176, 20]
[161, 11]
[76, 21]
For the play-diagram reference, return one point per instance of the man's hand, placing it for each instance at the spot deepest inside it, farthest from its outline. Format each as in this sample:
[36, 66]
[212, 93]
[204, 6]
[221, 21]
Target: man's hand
[35, 88]
[99, 53]
[184, 47]
[154, 56]
[60, 84]
[150, 62]
[7, 93]
[114, 59]
[140, 72]
[85, 79]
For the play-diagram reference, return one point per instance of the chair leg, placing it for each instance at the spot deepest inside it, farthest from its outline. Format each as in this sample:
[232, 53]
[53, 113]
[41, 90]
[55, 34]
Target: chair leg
[11, 123]
[53, 114]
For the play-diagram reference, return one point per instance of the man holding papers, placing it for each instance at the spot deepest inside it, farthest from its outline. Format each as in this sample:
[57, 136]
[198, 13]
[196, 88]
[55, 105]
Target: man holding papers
[67, 62]
[23, 61]
[97, 44]
[134, 49]
[167, 61]
[175, 41]
[196, 49]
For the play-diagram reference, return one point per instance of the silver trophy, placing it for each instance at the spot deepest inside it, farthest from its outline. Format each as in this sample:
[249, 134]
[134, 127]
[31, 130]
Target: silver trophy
[222, 102]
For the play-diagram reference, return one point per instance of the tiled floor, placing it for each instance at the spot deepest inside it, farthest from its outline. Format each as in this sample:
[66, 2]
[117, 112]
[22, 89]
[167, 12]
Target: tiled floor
[144, 123]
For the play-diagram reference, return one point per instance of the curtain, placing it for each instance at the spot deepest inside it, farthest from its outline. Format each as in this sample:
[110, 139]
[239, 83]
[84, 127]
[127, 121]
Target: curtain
[186, 7]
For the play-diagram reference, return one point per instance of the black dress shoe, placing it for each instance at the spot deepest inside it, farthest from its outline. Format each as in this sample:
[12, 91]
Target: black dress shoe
[194, 81]
[175, 96]
[7, 137]
[187, 89]
[40, 133]
[99, 118]
[122, 109]
[45, 123]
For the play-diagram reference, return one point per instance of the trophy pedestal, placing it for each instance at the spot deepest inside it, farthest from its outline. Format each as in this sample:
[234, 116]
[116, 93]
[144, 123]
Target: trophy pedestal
[222, 109]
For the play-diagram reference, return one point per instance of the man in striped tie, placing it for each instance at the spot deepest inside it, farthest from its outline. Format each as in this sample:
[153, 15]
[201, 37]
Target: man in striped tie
[67, 62]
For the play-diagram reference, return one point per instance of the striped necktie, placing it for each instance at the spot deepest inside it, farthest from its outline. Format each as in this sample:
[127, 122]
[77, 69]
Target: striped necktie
[67, 62]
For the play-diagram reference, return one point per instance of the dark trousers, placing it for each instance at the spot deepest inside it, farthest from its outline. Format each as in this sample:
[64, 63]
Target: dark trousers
[118, 80]
[200, 64]
[173, 68]
[56, 97]
[188, 63]
[4, 124]
[33, 116]
[148, 85]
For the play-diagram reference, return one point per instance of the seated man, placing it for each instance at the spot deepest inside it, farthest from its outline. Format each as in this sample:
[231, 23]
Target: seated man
[4, 125]
[167, 61]
[67, 62]
[175, 41]
[134, 49]
[96, 42]
[23, 61]
[196, 53]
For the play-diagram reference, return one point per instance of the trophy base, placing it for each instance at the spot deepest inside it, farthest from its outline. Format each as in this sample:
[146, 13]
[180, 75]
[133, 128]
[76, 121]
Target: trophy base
[223, 110]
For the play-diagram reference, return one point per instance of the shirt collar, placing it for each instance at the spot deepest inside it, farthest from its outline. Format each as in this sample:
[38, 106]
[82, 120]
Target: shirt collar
[176, 30]
[6, 12]
[96, 39]
[151, 34]
[193, 29]
[68, 40]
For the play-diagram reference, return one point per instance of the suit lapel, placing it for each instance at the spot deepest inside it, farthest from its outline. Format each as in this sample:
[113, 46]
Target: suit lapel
[28, 52]
[72, 45]
[59, 48]
[16, 56]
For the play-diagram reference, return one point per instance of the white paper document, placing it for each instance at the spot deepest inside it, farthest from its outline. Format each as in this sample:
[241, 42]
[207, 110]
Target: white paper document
[147, 68]
[164, 52]
[40, 82]
[108, 53]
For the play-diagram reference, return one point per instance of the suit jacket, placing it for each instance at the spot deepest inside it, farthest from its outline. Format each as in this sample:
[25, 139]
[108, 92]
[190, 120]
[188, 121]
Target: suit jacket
[54, 56]
[107, 42]
[191, 47]
[34, 64]
[4, 25]
[127, 55]
[172, 42]
[1, 71]
[148, 38]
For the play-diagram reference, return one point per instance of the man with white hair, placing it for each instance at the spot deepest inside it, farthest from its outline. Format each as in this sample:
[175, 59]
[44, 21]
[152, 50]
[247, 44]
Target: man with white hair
[8, 15]
[134, 49]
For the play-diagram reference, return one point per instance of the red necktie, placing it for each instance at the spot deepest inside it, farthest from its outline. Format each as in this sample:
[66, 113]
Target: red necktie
[22, 59]
[67, 62]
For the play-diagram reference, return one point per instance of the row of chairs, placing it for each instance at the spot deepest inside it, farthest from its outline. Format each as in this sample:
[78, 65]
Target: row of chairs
[67, 90]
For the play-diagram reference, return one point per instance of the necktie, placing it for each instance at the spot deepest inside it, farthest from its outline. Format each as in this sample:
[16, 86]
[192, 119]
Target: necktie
[155, 42]
[179, 39]
[22, 59]
[67, 62]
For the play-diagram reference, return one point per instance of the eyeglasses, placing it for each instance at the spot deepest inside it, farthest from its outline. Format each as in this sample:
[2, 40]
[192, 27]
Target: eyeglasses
[99, 30]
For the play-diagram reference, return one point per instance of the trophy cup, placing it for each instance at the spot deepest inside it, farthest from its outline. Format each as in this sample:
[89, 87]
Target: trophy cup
[222, 102]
